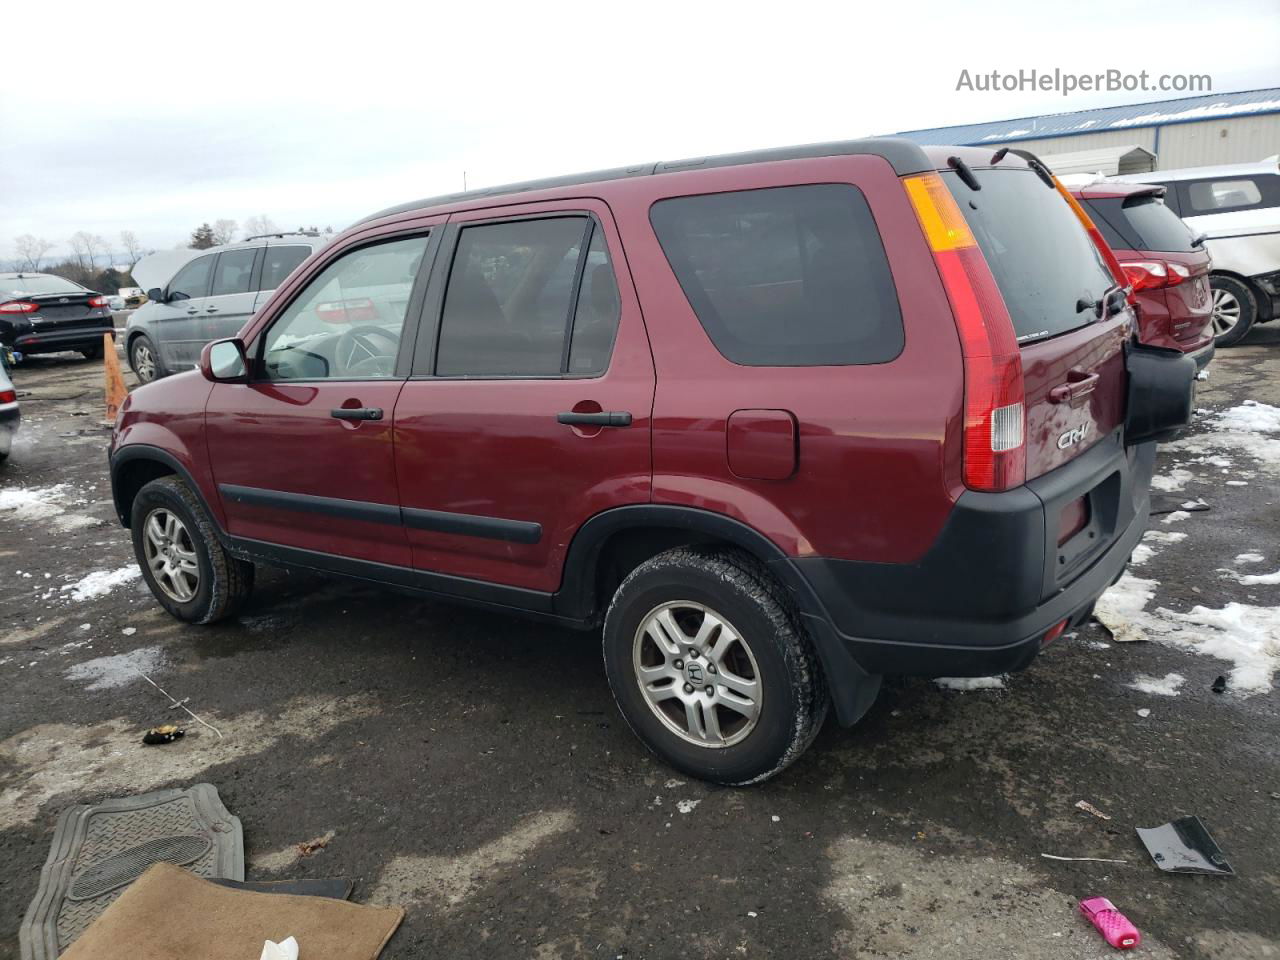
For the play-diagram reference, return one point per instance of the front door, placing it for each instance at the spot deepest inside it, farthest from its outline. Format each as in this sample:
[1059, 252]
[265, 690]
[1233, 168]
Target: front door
[528, 410]
[231, 296]
[179, 319]
[303, 453]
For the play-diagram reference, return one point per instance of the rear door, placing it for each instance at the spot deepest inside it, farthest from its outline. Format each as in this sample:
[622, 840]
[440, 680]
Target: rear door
[303, 453]
[231, 295]
[529, 406]
[179, 321]
[279, 259]
[1053, 281]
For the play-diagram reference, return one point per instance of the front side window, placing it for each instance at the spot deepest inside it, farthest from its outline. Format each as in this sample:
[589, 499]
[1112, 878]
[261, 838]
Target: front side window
[785, 276]
[528, 298]
[192, 280]
[279, 262]
[1211, 196]
[347, 322]
[232, 273]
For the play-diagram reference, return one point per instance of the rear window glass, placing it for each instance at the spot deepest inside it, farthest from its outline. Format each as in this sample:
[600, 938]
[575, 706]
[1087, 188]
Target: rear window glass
[35, 286]
[786, 276]
[1140, 223]
[1045, 263]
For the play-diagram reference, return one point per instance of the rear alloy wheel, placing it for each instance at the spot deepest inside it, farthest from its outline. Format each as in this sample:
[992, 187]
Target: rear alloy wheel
[142, 358]
[711, 667]
[1234, 309]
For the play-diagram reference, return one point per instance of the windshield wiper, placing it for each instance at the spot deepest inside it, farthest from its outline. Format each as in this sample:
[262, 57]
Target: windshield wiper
[1104, 306]
[962, 170]
[1199, 240]
[1035, 163]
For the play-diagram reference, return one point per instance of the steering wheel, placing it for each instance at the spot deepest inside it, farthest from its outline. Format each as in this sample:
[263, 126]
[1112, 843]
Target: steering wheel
[356, 355]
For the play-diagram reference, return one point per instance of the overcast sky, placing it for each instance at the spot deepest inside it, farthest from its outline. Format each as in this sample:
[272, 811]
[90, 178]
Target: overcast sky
[162, 115]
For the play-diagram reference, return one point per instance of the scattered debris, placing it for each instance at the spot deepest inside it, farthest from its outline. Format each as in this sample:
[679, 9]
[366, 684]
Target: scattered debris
[311, 847]
[776, 819]
[1088, 807]
[1184, 846]
[163, 734]
[1144, 713]
[286, 949]
[687, 806]
[129, 631]
[1050, 856]
[1219, 685]
[182, 704]
[1111, 923]
[752, 913]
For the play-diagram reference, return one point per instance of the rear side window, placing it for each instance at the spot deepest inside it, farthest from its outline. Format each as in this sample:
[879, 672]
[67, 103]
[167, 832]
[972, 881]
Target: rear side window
[523, 301]
[785, 276]
[1140, 222]
[192, 280]
[279, 262]
[1216, 196]
[1048, 268]
[232, 272]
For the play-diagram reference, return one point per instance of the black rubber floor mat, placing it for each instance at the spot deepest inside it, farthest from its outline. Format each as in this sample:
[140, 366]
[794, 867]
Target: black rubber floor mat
[99, 850]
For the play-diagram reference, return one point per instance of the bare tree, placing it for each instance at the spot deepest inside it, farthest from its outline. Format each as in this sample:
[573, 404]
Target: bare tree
[224, 231]
[87, 247]
[31, 251]
[259, 225]
[133, 249]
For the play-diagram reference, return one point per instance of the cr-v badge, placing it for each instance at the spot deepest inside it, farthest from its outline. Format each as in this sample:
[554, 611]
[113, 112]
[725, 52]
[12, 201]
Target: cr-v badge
[1072, 437]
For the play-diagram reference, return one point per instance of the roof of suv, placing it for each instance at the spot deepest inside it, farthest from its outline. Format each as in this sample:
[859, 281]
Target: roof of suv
[1267, 166]
[905, 156]
[1084, 186]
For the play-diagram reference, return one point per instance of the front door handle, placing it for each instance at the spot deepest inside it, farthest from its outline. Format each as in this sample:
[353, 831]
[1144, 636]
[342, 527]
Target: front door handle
[210, 309]
[605, 418]
[193, 310]
[356, 413]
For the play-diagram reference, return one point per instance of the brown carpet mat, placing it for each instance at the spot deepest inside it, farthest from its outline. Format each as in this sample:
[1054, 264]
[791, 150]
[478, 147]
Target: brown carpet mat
[168, 913]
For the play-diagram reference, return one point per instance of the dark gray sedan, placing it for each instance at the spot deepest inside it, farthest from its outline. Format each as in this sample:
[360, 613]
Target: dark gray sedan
[42, 313]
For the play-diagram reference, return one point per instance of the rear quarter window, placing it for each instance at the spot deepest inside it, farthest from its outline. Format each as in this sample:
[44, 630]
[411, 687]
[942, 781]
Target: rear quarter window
[1224, 195]
[784, 276]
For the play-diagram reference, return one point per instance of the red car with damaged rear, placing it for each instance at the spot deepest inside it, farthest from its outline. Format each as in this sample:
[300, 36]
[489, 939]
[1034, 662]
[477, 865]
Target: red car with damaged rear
[776, 423]
[1162, 260]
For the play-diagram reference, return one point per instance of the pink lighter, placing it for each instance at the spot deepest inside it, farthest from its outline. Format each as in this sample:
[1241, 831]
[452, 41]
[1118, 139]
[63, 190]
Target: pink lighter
[1111, 923]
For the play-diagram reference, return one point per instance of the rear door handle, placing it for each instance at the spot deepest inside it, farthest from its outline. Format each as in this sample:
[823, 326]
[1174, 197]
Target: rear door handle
[1078, 385]
[210, 309]
[606, 418]
[193, 310]
[356, 413]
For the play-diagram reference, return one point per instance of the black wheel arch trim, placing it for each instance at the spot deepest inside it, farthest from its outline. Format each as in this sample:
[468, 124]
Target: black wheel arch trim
[145, 451]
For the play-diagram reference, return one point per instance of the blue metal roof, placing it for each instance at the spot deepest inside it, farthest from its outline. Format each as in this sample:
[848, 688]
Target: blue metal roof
[1157, 114]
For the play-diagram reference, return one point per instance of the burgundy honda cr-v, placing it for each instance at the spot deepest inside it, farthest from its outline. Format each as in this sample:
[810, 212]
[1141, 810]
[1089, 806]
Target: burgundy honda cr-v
[780, 422]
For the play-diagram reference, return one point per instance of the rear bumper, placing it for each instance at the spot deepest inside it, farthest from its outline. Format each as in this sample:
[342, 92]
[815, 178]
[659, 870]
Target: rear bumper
[52, 339]
[10, 417]
[1203, 355]
[981, 600]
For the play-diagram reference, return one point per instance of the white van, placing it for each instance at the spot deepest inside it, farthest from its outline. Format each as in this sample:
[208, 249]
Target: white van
[1237, 208]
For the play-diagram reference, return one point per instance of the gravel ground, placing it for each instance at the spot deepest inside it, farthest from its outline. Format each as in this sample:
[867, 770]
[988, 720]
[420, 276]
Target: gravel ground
[473, 767]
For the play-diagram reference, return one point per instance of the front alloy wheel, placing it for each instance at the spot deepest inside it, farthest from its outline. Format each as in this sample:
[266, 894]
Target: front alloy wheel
[697, 674]
[171, 555]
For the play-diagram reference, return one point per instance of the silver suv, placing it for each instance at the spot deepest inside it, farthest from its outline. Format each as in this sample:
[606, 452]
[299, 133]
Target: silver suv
[210, 297]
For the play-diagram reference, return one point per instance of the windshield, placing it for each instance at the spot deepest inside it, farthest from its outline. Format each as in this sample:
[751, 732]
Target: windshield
[1046, 265]
[37, 284]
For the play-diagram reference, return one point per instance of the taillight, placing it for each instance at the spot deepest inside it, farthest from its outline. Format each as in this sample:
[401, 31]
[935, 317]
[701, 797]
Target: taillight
[97, 301]
[8, 396]
[19, 306]
[1154, 274]
[995, 453]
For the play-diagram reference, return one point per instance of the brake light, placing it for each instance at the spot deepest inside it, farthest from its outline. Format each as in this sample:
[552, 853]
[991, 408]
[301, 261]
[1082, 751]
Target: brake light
[995, 455]
[19, 306]
[1053, 634]
[8, 396]
[98, 301]
[347, 311]
[1154, 274]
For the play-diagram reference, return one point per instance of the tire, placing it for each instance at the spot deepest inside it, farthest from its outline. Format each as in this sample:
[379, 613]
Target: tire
[92, 353]
[144, 359]
[760, 634]
[1235, 308]
[221, 584]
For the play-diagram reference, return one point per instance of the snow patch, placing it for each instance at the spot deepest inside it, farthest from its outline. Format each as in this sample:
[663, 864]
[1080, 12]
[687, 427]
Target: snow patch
[964, 684]
[1176, 516]
[101, 582]
[34, 503]
[687, 806]
[1141, 554]
[1173, 480]
[1166, 686]
[107, 673]
[1244, 429]
[1120, 608]
[1265, 578]
[1249, 557]
[1164, 536]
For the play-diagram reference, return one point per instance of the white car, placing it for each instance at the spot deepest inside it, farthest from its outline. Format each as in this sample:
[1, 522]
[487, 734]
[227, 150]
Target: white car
[1237, 209]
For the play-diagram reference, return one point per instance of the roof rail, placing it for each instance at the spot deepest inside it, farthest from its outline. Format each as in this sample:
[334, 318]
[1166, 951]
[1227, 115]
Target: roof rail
[282, 233]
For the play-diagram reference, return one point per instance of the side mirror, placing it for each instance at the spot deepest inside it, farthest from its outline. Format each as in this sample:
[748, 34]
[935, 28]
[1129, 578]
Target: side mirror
[223, 361]
[156, 295]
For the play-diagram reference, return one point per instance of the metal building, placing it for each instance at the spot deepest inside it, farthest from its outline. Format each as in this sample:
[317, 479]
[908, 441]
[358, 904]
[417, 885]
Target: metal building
[1190, 132]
